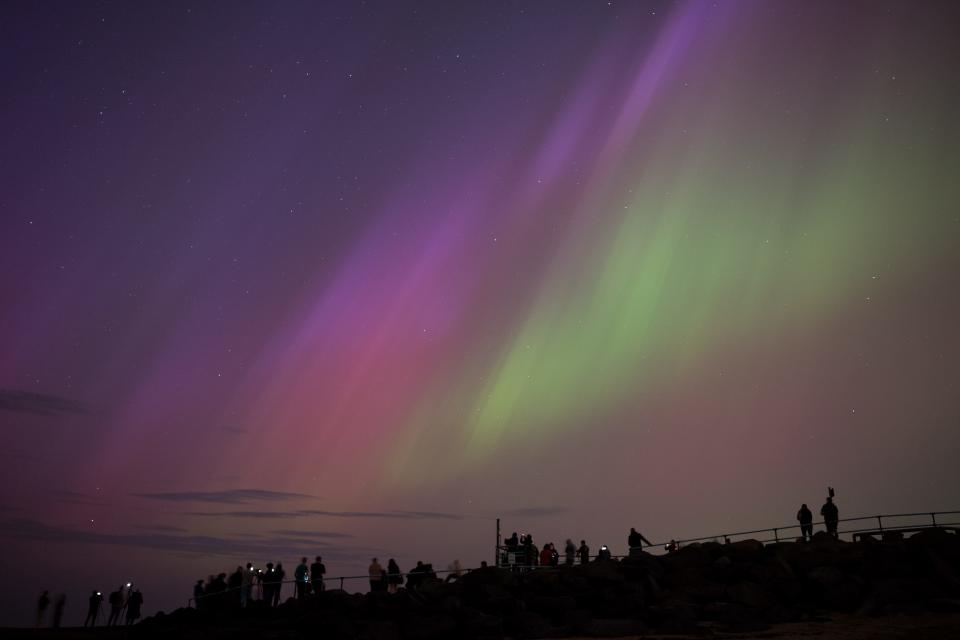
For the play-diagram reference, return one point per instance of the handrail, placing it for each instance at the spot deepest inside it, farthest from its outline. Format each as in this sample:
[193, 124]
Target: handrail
[776, 530]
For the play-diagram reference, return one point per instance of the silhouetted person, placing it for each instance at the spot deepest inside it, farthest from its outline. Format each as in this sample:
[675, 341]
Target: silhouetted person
[454, 571]
[673, 546]
[635, 541]
[512, 543]
[831, 516]
[545, 556]
[416, 575]
[217, 591]
[93, 610]
[483, 564]
[235, 586]
[115, 600]
[805, 518]
[604, 553]
[529, 551]
[302, 577]
[584, 552]
[317, 569]
[278, 575]
[133, 606]
[569, 552]
[266, 583]
[198, 594]
[58, 606]
[394, 576]
[375, 572]
[246, 584]
[43, 602]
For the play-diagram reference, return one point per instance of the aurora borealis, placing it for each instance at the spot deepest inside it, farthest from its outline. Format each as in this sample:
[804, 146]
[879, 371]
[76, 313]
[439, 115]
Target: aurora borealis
[358, 278]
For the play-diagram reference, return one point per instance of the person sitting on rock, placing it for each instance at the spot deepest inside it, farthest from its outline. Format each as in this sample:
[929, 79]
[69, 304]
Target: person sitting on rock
[805, 517]
[831, 516]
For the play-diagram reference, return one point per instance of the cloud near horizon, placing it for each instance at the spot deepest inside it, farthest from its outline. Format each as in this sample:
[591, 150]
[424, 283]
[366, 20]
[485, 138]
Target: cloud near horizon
[536, 512]
[39, 403]
[231, 496]
[244, 546]
[299, 513]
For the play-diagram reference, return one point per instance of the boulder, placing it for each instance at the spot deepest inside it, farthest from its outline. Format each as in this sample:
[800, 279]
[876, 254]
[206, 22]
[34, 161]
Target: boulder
[615, 628]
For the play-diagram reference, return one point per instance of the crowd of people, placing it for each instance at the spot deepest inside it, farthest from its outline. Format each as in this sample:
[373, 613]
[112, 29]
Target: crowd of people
[520, 552]
[250, 583]
[126, 603]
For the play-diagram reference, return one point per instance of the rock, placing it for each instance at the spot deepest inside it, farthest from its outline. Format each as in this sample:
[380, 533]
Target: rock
[674, 618]
[430, 628]
[616, 628]
[892, 537]
[749, 594]
[836, 590]
[578, 620]
[530, 625]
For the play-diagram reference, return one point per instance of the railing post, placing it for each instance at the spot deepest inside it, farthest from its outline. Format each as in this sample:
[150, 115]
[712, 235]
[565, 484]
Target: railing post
[341, 583]
[880, 522]
[933, 516]
[776, 538]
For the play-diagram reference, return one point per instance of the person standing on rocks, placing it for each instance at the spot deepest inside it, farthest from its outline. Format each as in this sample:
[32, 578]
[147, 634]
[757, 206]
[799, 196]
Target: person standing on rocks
[317, 569]
[569, 552]
[584, 552]
[376, 575]
[246, 586]
[301, 576]
[279, 575]
[805, 517]
[831, 516]
[394, 576]
[545, 556]
[635, 541]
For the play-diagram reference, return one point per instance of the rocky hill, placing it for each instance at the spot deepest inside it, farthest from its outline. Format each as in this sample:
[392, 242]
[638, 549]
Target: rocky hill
[702, 589]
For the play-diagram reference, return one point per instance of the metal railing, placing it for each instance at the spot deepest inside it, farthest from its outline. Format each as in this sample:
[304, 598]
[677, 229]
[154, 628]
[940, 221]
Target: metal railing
[778, 533]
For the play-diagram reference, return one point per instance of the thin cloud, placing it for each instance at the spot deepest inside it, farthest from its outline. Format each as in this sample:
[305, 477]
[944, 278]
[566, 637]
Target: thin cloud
[310, 534]
[161, 527]
[245, 546]
[39, 403]
[232, 496]
[536, 512]
[302, 513]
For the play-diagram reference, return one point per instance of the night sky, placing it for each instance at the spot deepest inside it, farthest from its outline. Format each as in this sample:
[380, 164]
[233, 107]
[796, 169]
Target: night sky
[356, 278]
